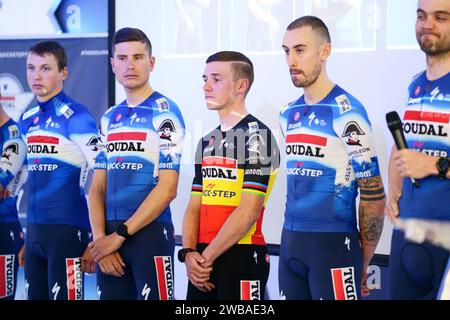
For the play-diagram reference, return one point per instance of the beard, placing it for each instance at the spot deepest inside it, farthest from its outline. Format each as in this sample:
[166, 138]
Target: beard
[433, 48]
[307, 79]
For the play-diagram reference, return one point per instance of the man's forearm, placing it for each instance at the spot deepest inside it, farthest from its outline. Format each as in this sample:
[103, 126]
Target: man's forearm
[97, 213]
[371, 221]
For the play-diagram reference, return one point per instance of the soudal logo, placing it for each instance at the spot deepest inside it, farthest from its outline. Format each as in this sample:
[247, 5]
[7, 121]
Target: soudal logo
[250, 290]
[164, 273]
[344, 284]
[427, 129]
[118, 117]
[42, 144]
[36, 120]
[126, 141]
[6, 275]
[432, 129]
[303, 144]
[74, 279]
[297, 116]
[219, 168]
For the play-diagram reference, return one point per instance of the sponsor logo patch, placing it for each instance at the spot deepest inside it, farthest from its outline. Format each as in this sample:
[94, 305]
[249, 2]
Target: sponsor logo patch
[6, 275]
[74, 279]
[344, 283]
[164, 274]
[250, 290]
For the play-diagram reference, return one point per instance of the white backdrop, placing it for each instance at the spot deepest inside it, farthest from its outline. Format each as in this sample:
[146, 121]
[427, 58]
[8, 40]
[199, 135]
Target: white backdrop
[376, 65]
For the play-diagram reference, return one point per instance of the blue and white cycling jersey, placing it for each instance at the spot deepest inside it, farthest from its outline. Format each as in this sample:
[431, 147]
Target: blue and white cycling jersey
[13, 171]
[61, 138]
[329, 146]
[139, 141]
[426, 124]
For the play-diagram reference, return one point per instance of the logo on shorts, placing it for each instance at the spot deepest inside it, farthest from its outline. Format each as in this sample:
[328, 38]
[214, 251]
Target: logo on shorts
[6, 275]
[344, 283]
[164, 275]
[74, 279]
[250, 290]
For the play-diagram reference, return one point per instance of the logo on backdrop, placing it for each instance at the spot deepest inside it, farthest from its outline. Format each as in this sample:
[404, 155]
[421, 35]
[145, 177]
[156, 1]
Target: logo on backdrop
[13, 98]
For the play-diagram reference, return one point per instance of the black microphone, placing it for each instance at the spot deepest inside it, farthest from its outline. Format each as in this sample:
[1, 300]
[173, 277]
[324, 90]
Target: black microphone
[395, 126]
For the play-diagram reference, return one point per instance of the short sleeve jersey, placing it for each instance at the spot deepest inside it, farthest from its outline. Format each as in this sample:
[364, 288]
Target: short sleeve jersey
[244, 159]
[61, 138]
[426, 124]
[329, 146]
[13, 172]
[139, 141]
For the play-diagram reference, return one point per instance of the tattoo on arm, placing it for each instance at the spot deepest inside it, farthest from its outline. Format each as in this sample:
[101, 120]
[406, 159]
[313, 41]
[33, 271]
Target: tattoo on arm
[371, 189]
[371, 218]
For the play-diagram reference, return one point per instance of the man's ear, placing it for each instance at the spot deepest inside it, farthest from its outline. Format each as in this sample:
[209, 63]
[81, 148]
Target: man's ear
[325, 52]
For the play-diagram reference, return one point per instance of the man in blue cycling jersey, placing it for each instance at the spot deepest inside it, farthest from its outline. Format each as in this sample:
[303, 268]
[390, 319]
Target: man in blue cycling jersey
[329, 157]
[416, 270]
[135, 180]
[61, 139]
[12, 176]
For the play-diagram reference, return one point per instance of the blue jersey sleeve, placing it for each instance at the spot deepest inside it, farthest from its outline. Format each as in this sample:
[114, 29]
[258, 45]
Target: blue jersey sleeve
[169, 124]
[101, 159]
[83, 132]
[13, 154]
[353, 127]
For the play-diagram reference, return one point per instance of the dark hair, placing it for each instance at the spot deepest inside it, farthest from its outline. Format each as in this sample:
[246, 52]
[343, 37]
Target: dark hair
[316, 24]
[51, 47]
[241, 65]
[130, 34]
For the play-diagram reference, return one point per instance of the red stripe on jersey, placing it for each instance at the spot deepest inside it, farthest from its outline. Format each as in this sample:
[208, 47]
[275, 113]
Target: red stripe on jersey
[306, 138]
[219, 162]
[162, 288]
[427, 116]
[140, 136]
[43, 139]
[2, 276]
[4, 98]
[338, 285]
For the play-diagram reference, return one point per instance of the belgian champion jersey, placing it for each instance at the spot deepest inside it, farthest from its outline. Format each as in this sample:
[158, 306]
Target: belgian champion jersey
[61, 138]
[245, 159]
[426, 127]
[13, 171]
[329, 146]
[139, 141]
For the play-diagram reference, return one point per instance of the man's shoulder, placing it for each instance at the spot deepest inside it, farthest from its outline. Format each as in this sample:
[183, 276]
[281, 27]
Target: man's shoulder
[345, 101]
